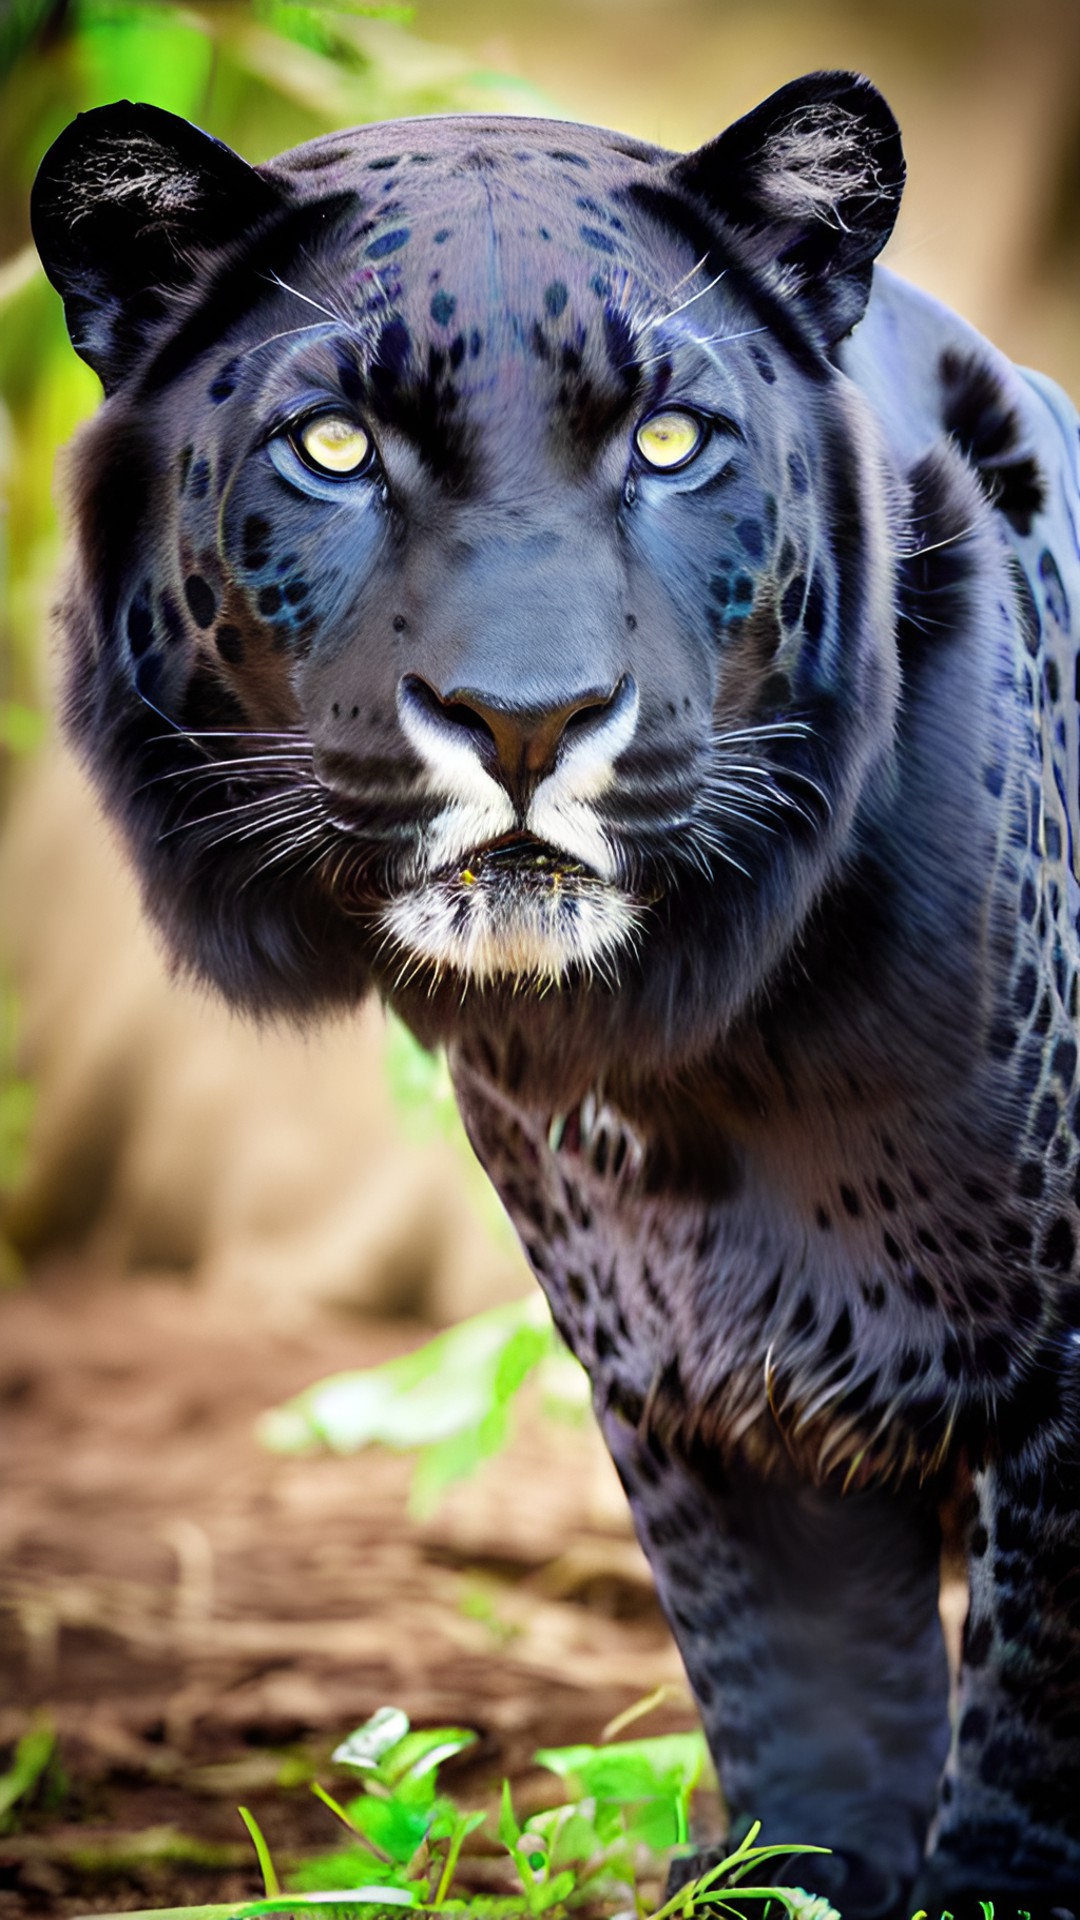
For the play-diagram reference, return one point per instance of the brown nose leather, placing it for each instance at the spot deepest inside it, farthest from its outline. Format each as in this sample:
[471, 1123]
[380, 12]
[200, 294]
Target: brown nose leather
[518, 744]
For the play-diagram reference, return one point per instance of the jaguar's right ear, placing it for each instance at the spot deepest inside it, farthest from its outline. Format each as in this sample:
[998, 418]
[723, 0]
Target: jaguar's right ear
[811, 180]
[125, 202]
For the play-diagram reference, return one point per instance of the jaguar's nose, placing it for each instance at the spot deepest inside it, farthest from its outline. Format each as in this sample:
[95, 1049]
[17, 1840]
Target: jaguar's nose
[519, 745]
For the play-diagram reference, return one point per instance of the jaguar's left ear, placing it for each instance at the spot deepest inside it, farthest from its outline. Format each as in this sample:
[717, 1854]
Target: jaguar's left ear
[812, 180]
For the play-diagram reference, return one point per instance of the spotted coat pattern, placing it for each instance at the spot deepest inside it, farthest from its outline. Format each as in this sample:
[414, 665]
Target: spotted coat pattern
[721, 821]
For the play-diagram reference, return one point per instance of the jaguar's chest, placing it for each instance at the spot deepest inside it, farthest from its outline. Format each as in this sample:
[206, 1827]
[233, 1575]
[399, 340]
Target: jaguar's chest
[860, 1313]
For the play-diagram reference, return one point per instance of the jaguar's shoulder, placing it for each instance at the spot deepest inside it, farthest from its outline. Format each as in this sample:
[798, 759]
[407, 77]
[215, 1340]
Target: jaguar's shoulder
[929, 374]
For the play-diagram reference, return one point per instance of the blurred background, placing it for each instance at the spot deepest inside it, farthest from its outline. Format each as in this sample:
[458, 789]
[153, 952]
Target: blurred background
[141, 1128]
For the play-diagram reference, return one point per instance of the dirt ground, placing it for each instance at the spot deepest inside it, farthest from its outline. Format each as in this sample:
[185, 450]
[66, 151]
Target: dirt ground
[201, 1620]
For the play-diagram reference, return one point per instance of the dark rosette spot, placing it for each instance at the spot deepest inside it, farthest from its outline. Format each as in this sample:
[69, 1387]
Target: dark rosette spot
[200, 598]
[387, 243]
[230, 644]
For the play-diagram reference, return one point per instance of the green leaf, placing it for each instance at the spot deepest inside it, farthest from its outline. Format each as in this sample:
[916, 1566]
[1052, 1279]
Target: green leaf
[649, 1782]
[441, 1392]
[339, 1812]
[347, 1901]
[416, 1758]
[32, 1756]
[670, 1763]
[508, 1830]
[215, 1912]
[367, 1746]
[455, 1459]
[462, 1827]
[401, 1760]
[344, 1867]
[391, 1825]
[526, 1346]
[580, 1831]
[552, 1892]
[370, 1901]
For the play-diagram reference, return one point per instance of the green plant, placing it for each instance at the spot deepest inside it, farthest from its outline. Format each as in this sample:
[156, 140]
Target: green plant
[599, 1853]
[449, 1400]
[31, 1763]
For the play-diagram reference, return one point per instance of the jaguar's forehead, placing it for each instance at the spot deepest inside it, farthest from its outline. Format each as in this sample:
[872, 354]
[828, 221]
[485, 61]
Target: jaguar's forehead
[463, 218]
[441, 160]
[484, 268]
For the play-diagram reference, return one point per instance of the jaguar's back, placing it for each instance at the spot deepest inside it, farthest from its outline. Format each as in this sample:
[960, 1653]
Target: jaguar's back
[565, 587]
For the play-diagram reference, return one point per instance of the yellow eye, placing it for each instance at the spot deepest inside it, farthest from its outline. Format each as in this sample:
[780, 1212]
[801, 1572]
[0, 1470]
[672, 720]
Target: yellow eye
[334, 443]
[669, 439]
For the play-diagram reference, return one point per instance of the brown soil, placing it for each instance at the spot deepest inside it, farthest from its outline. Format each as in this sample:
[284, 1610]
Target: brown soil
[201, 1620]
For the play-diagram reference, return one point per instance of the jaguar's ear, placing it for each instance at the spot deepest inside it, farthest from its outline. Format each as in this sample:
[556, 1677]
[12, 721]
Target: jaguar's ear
[812, 180]
[125, 202]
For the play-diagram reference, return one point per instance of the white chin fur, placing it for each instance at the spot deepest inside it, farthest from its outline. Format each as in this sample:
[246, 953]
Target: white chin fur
[512, 928]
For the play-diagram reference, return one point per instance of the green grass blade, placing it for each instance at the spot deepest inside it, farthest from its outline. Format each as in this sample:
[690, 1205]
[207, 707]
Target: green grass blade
[266, 1865]
[466, 1825]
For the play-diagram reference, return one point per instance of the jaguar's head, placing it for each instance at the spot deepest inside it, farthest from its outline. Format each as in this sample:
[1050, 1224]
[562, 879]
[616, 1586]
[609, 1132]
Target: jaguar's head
[484, 580]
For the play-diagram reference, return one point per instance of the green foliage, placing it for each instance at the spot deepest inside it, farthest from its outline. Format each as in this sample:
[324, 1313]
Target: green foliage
[27, 1772]
[597, 1855]
[404, 1830]
[631, 1800]
[449, 1400]
[649, 1781]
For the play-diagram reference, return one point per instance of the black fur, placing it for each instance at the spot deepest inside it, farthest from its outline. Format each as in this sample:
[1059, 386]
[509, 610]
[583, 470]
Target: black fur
[518, 572]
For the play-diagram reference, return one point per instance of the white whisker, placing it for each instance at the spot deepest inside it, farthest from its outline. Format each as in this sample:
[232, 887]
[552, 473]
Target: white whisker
[659, 319]
[328, 312]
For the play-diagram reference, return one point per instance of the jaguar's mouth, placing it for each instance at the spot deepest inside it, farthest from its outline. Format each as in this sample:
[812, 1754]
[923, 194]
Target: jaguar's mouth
[519, 857]
[514, 908]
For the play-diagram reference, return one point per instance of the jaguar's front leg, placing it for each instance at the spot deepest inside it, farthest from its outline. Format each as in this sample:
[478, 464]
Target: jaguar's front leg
[1008, 1827]
[808, 1622]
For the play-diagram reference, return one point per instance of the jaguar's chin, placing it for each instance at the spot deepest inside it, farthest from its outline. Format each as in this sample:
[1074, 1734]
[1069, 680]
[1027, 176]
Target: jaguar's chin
[518, 912]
